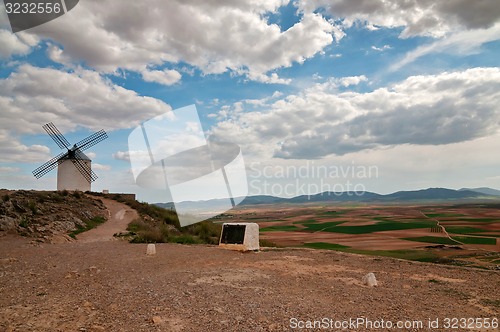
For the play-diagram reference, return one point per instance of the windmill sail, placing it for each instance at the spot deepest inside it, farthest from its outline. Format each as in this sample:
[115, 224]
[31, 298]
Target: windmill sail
[90, 141]
[85, 169]
[48, 166]
[56, 135]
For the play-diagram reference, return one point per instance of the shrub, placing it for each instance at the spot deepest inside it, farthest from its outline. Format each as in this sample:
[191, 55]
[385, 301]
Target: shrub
[32, 207]
[24, 222]
[267, 243]
[185, 239]
[89, 224]
[6, 198]
[206, 231]
[155, 225]
[145, 232]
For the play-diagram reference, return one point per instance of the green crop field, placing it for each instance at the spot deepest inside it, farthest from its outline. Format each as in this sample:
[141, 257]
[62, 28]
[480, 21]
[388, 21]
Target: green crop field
[378, 227]
[431, 239]
[401, 231]
[279, 228]
[463, 230]
[308, 221]
[444, 215]
[325, 226]
[324, 245]
[475, 240]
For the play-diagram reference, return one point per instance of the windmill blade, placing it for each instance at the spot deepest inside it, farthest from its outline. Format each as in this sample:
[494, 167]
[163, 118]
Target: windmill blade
[92, 140]
[85, 170]
[56, 135]
[88, 173]
[48, 166]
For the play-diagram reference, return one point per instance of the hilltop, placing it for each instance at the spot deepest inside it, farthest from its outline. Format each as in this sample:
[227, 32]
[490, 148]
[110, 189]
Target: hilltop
[59, 216]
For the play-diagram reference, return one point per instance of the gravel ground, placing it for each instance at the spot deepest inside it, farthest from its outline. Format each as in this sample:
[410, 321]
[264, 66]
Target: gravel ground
[115, 286]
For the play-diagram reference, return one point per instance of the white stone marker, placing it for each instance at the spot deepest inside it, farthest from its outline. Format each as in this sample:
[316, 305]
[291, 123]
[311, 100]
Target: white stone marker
[151, 250]
[240, 236]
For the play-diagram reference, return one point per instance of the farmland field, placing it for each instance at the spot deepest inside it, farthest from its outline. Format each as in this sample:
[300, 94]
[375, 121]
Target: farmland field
[463, 234]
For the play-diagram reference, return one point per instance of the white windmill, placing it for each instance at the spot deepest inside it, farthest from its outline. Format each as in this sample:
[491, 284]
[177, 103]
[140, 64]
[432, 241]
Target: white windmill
[74, 168]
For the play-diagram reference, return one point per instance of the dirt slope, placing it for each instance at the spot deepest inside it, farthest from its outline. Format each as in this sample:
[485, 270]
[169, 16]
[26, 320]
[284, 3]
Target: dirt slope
[119, 216]
[46, 216]
[115, 286]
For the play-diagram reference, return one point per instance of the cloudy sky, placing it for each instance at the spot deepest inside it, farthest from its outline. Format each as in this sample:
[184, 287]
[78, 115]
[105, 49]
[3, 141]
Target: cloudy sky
[409, 90]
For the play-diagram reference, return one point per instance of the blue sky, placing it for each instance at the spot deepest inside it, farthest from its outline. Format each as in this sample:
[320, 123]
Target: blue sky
[412, 90]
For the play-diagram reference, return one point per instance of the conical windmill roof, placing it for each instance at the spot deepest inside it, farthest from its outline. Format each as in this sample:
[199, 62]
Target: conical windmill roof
[80, 156]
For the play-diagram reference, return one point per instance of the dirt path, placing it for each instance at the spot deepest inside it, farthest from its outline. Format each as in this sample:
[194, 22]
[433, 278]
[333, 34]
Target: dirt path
[119, 216]
[438, 224]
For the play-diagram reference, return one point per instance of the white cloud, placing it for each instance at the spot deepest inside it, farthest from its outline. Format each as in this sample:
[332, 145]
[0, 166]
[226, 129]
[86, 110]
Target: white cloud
[463, 42]
[386, 170]
[91, 155]
[381, 49]
[122, 155]
[214, 36]
[9, 169]
[421, 110]
[219, 36]
[165, 77]
[101, 167]
[56, 54]
[32, 96]
[270, 79]
[13, 44]
[461, 26]
[12, 150]
[418, 17]
[352, 80]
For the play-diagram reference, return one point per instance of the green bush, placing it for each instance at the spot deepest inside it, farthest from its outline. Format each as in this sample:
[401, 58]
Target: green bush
[206, 231]
[89, 224]
[32, 207]
[145, 232]
[153, 211]
[6, 198]
[24, 222]
[185, 239]
[157, 232]
[155, 225]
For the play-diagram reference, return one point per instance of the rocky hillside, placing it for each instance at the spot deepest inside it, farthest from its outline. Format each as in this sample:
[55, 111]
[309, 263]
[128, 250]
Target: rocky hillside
[45, 215]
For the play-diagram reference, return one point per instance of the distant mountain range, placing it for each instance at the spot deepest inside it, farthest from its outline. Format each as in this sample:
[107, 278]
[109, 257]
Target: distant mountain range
[483, 190]
[424, 195]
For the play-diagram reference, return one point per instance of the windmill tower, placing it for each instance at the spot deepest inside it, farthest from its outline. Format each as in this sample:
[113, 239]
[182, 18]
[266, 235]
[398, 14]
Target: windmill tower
[74, 168]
